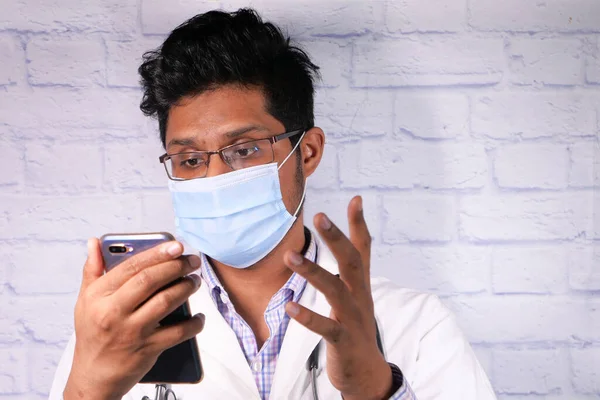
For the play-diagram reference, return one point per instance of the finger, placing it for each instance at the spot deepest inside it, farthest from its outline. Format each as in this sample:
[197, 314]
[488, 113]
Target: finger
[348, 257]
[334, 290]
[166, 337]
[330, 330]
[360, 236]
[132, 266]
[166, 301]
[148, 281]
[94, 265]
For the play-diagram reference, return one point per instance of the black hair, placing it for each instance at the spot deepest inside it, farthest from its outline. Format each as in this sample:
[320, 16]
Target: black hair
[220, 48]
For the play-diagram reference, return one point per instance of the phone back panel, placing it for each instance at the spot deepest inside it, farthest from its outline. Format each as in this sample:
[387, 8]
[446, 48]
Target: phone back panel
[138, 242]
[181, 363]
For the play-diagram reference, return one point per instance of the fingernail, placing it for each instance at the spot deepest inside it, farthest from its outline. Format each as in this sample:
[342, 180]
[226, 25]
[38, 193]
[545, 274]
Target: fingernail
[200, 316]
[292, 309]
[360, 204]
[196, 278]
[295, 258]
[174, 249]
[194, 261]
[325, 223]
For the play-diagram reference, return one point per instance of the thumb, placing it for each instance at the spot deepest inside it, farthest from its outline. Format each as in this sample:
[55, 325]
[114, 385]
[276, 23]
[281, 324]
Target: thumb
[94, 265]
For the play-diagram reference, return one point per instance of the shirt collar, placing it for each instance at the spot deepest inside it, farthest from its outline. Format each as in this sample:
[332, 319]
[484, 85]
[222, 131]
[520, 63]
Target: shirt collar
[295, 284]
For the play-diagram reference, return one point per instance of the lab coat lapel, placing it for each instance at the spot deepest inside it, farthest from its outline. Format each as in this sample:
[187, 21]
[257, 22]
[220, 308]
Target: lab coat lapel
[217, 341]
[299, 342]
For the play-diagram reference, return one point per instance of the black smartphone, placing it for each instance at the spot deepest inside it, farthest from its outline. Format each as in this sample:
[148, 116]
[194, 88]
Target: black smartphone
[178, 364]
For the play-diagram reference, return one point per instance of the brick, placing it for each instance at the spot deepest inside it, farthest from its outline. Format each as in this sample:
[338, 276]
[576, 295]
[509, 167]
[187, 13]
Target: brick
[12, 163]
[408, 16]
[531, 372]
[434, 269]
[65, 61]
[330, 18]
[545, 61]
[535, 16]
[26, 260]
[532, 115]
[147, 127]
[406, 165]
[525, 217]
[431, 61]
[585, 165]
[12, 332]
[418, 218]
[68, 217]
[134, 166]
[526, 318]
[484, 356]
[529, 270]
[344, 113]
[592, 65]
[13, 376]
[438, 116]
[111, 16]
[55, 326]
[333, 59]
[124, 59]
[55, 168]
[53, 107]
[532, 166]
[160, 19]
[327, 173]
[585, 366]
[13, 60]
[157, 212]
[43, 366]
[335, 206]
[584, 270]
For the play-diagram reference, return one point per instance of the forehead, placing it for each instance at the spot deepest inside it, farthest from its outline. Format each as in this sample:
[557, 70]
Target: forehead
[217, 111]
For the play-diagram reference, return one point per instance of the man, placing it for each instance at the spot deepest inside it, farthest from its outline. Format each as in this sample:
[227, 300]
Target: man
[234, 102]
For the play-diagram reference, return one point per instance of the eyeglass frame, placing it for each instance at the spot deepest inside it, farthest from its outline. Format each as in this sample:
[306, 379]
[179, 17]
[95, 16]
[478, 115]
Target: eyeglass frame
[272, 140]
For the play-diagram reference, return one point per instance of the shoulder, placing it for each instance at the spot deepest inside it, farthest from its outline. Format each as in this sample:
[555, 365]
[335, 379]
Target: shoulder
[406, 311]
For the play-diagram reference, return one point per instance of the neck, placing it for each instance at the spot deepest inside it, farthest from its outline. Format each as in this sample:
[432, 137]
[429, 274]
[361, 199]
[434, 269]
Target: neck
[253, 287]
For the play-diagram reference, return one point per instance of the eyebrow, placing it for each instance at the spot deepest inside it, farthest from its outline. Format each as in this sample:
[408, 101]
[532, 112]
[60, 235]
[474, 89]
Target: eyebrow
[231, 135]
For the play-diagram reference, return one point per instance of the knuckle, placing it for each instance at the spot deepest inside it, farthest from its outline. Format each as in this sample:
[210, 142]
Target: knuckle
[105, 321]
[335, 333]
[354, 262]
[179, 332]
[143, 279]
[165, 300]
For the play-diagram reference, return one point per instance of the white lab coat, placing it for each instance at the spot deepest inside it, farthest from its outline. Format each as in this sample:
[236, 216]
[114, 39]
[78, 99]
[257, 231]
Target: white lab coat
[418, 332]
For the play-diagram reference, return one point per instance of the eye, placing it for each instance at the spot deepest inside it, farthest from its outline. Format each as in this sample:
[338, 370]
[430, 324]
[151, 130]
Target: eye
[244, 152]
[191, 162]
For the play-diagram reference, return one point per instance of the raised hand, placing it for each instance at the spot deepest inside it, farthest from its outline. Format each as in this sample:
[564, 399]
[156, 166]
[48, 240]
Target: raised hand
[355, 365]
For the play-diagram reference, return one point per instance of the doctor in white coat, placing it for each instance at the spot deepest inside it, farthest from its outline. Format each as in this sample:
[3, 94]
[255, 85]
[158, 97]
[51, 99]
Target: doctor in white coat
[234, 101]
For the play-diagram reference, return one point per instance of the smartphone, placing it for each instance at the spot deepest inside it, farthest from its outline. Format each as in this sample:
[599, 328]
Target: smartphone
[178, 364]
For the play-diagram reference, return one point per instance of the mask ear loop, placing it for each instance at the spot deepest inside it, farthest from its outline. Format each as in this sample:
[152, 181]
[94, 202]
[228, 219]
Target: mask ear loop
[304, 190]
[292, 152]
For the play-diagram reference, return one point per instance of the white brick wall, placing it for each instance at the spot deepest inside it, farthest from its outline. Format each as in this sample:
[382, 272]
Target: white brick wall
[471, 128]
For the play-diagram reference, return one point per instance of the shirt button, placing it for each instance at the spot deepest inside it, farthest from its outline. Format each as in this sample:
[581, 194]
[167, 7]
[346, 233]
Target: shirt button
[257, 366]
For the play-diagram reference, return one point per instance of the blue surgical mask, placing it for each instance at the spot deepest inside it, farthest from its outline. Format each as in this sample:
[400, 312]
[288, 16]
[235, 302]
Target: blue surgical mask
[236, 218]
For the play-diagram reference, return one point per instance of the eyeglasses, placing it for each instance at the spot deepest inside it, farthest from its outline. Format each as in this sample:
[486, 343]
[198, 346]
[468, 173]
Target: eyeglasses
[194, 164]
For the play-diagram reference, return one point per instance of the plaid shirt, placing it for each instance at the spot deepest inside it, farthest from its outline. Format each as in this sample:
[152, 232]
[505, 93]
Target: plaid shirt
[263, 361]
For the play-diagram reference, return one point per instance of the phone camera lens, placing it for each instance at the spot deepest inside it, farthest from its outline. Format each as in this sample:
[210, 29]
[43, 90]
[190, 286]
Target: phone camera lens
[117, 249]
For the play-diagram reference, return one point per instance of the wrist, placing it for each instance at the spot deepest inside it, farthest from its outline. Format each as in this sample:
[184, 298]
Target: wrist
[378, 387]
[74, 390]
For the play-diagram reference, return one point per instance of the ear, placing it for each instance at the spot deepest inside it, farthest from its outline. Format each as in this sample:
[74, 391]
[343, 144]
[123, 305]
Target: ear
[312, 147]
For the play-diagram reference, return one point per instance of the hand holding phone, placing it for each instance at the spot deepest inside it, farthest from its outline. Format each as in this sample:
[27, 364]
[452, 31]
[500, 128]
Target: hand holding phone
[117, 318]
